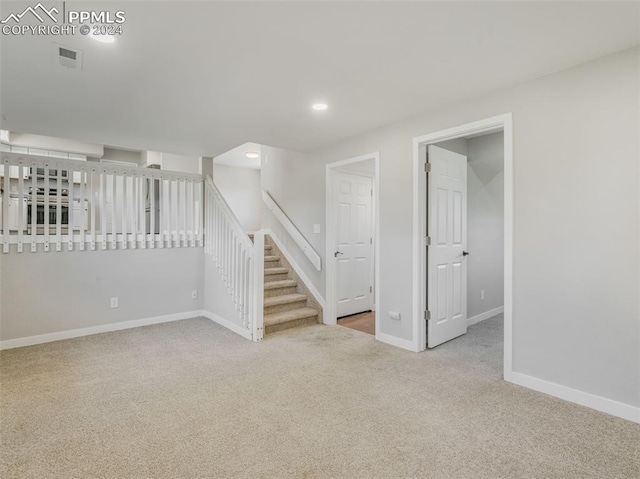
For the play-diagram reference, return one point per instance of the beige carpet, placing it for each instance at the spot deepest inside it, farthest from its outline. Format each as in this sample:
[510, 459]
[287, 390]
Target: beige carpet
[192, 400]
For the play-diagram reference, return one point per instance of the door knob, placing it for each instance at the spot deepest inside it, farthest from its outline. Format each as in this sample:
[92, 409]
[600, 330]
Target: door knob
[465, 253]
[337, 253]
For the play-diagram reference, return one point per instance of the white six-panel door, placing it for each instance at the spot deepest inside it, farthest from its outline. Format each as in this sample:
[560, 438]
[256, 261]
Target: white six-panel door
[447, 266]
[352, 197]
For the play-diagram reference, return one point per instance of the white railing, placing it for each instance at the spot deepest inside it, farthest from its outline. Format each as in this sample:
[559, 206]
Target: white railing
[66, 204]
[290, 228]
[240, 262]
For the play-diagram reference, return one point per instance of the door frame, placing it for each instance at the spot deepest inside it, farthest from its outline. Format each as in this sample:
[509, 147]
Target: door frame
[330, 310]
[488, 125]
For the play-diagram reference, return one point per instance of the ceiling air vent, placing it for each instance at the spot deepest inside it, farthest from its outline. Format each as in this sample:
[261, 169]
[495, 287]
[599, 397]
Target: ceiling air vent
[67, 57]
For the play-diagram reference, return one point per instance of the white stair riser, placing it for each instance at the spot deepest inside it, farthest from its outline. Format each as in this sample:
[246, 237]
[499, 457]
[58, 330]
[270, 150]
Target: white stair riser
[274, 277]
[270, 293]
[290, 324]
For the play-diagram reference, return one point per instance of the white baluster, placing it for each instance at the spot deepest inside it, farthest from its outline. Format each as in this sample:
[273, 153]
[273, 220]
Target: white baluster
[103, 207]
[46, 206]
[21, 210]
[114, 210]
[152, 210]
[71, 196]
[93, 190]
[83, 216]
[59, 209]
[5, 208]
[34, 208]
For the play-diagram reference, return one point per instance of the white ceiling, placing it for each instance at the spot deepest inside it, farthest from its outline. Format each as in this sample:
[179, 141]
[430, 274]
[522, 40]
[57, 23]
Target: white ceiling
[199, 78]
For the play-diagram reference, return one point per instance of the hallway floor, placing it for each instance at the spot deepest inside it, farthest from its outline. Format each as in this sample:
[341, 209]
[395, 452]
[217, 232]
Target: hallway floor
[190, 399]
[365, 322]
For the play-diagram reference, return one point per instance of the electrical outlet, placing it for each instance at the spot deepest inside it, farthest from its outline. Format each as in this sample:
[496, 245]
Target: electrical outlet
[316, 228]
[394, 315]
[194, 295]
[114, 302]
[482, 295]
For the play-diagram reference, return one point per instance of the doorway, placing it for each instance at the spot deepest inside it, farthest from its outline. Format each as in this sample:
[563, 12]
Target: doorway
[352, 243]
[441, 249]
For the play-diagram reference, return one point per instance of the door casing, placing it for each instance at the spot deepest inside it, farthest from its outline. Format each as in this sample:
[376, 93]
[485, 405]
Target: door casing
[330, 311]
[489, 125]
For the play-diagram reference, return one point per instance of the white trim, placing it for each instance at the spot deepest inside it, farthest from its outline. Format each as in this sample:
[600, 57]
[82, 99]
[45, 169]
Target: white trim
[296, 267]
[394, 341]
[103, 328]
[419, 204]
[330, 314]
[609, 406]
[295, 234]
[486, 315]
[245, 333]
[257, 326]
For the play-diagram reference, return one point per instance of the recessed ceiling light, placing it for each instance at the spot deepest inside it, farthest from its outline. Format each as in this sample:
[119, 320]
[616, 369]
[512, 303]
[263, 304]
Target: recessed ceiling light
[319, 106]
[103, 38]
[252, 154]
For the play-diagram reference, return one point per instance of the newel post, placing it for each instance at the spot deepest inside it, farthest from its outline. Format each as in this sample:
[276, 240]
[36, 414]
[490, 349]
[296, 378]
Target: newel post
[258, 286]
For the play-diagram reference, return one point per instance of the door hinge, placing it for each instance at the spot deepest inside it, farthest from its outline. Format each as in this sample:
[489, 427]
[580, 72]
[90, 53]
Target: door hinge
[371, 289]
[427, 315]
[370, 240]
[427, 240]
[371, 191]
[427, 167]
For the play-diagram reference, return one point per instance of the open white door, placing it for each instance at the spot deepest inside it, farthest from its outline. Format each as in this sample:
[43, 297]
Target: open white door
[446, 266]
[353, 242]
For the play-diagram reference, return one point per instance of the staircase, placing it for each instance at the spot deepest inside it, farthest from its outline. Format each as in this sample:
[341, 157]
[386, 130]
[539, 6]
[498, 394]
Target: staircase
[287, 303]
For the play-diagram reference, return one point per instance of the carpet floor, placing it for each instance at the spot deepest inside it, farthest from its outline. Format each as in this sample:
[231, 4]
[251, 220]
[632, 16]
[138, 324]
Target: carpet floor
[190, 399]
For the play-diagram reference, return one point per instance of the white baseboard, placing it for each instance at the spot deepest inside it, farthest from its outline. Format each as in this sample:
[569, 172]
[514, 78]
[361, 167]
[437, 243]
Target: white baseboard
[103, 328]
[305, 279]
[245, 333]
[609, 406]
[398, 342]
[486, 315]
[106, 328]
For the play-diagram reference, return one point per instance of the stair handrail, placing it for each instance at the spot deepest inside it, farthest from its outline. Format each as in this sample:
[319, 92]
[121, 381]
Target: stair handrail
[288, 225]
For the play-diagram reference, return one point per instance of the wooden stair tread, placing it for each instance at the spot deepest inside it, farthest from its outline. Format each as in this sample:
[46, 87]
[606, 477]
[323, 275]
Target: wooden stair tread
[283, 283]
[272, 258]
[284, 299]
[286, 316]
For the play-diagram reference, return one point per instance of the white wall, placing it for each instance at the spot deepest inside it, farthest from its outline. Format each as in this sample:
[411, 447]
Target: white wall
[576, 255]
[52, 292]
[56, 144]
[296, 183]
[485, 223]
[216, 297]
[457, 145]
[184, 164]
[242, 191]
[115, 154]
